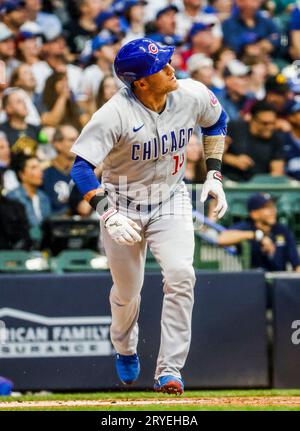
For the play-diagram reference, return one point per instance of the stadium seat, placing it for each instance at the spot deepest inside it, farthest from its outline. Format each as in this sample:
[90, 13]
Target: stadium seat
[269, 179]
[237, 205]
[74, 233]
[198, 263]
[209, 256]
[288, 206]
[78, 261]
[20, 261]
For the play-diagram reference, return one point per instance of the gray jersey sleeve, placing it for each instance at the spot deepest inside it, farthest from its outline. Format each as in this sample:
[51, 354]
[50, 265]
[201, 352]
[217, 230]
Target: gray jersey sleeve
[99, 135]
[209, 107]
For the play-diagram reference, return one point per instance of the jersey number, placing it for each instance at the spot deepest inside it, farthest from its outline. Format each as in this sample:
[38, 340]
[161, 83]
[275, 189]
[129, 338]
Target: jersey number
[179, 160]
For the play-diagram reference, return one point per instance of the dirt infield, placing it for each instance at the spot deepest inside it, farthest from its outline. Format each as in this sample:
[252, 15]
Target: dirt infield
[201, 402]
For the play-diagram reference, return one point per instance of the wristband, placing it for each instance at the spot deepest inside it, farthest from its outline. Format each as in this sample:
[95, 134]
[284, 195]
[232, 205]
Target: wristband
[95, 201]
[93, 197]
[213, 164]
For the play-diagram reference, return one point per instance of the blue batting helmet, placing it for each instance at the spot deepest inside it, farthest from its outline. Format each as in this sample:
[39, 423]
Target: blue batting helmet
[140, 58]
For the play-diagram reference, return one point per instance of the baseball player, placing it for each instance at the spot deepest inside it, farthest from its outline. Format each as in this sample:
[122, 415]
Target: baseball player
[140, 135]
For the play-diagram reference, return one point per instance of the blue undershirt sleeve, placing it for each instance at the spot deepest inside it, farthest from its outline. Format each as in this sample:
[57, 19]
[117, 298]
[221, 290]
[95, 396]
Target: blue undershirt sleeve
[219, 128]
[84, 176]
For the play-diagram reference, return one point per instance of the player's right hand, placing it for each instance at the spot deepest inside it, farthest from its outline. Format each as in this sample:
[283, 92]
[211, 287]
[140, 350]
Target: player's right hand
[122, 230]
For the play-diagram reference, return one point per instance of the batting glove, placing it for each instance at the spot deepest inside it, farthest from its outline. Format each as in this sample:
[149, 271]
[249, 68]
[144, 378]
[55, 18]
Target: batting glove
[122, 230]
[213, 186]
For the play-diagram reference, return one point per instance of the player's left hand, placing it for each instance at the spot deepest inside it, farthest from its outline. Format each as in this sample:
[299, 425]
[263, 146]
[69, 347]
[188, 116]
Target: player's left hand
[213, 186]
[123, 230]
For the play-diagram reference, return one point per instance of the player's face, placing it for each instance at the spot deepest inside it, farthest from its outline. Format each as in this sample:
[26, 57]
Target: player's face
[163, 81]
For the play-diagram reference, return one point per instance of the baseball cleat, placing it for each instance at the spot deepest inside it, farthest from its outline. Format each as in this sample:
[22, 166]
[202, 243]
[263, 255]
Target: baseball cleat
[6, 386]
[128, 368]
[169, 385]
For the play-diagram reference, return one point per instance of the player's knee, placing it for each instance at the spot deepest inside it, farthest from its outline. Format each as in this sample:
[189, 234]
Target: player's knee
[122, 297]
[181, 277]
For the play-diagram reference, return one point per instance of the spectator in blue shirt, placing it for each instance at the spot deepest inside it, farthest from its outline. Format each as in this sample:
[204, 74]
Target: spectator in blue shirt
[292, 142]
[36, 202]
[273, 245]
[247, 21]
[295, 18]
[294, 35]
[235, 96]
[56, 181]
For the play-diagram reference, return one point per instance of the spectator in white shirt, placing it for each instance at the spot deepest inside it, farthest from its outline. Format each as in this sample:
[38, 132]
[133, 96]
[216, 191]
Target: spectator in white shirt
[193, 12]
[24, 79]
[29, 44]
[56, 52]
[7, 49]
[104, 49]
[134, 12]
[49, 22]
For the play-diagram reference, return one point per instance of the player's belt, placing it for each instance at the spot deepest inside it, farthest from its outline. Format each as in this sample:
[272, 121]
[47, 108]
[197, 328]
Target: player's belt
[147, 208]
[137, 207]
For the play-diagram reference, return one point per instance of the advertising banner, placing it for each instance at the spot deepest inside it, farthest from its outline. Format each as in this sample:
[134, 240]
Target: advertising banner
[54, 331]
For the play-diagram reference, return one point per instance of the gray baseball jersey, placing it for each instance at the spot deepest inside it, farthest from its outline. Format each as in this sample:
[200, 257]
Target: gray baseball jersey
[146, 147]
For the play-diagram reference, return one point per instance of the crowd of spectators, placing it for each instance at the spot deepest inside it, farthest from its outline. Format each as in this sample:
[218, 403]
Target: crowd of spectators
[56, 70]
